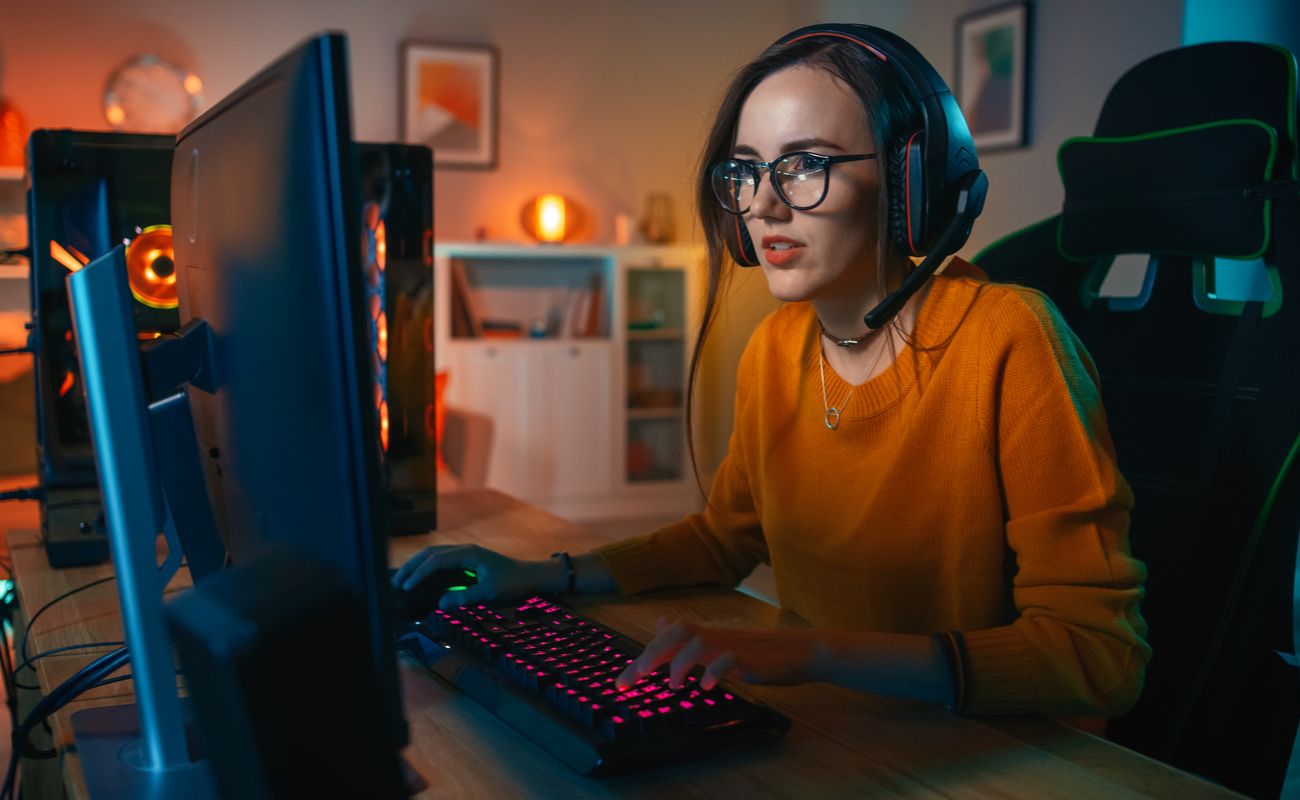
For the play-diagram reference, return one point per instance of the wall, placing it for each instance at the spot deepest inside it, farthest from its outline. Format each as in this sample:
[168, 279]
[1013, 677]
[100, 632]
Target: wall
[1270, 21]
[606, 101]
[1077, 52]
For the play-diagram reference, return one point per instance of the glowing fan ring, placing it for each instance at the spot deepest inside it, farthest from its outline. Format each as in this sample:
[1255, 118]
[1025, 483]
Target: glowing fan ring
[151, 285]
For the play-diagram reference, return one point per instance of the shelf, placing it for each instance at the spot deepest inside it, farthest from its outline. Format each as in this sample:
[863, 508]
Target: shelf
[655, 334]
[562, 297]
[14, 272]
[674, 412]
[589, 418]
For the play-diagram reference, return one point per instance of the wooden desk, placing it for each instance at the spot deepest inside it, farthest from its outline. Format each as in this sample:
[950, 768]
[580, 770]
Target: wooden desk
[841, 743]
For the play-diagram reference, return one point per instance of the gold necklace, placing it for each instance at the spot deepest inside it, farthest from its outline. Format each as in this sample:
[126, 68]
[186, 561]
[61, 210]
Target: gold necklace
[832, 417]
[834, 413]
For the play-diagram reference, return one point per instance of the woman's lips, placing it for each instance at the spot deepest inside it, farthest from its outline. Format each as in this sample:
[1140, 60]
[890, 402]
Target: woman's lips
[780, 251]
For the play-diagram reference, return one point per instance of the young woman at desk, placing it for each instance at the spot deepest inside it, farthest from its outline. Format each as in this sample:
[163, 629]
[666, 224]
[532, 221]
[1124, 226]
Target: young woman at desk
[937, 493]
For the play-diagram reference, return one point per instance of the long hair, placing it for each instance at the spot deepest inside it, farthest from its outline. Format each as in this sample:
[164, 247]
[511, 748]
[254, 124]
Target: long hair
[888, 110]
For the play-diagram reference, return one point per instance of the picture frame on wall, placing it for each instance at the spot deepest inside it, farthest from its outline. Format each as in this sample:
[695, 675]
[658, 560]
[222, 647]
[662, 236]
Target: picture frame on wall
[449, 102]
[993, 74]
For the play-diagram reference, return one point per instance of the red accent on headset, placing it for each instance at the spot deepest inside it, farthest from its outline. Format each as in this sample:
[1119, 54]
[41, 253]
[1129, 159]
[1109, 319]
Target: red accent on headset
[855, 39]
[740, 246]
[907, 190]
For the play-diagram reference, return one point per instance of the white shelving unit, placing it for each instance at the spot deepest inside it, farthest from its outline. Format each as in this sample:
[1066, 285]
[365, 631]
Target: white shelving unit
[579, 355]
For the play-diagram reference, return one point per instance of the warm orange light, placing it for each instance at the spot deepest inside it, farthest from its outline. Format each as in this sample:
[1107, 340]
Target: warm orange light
[552, 218]
[193, 84]
[381, 405]
[150, 269]
[68, 256]
[374, 244]
[69, 380]
[115, 114]
[13, 135]
[382, 345]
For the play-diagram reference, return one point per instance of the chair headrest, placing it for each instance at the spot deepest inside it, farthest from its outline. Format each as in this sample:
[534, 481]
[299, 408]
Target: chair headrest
[1191, 151]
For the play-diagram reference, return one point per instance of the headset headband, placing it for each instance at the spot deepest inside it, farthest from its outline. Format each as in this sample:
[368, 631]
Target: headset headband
[937, 188]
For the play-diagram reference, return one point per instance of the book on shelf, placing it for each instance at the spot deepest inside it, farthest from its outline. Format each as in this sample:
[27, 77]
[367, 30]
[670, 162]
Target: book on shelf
[596, 308]
[502, 329]
[466, 316]
[585, 315]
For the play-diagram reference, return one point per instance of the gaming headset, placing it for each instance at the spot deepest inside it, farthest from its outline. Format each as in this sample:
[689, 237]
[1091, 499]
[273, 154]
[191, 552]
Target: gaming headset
[937, 188]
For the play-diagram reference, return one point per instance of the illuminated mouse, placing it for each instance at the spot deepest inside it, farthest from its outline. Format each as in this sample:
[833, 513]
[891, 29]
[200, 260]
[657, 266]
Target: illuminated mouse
[418, 602]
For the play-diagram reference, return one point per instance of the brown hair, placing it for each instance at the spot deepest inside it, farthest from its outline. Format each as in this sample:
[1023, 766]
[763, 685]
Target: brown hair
[888, 109]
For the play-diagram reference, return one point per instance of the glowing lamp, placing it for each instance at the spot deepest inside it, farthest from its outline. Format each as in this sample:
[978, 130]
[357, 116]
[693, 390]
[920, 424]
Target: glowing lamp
[552, 218]
[13, 135]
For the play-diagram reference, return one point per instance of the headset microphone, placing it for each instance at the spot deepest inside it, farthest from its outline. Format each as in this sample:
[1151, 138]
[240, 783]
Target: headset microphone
[970, 202]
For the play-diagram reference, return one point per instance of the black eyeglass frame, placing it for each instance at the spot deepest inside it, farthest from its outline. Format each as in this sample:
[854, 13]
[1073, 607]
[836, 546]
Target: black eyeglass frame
[755, 167]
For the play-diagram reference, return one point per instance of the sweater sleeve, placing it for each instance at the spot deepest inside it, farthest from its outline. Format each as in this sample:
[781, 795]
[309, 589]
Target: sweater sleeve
[1077, 646]
[720, 545]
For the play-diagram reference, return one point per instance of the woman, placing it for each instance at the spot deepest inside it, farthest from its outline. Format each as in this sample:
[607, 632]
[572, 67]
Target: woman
[938, 496]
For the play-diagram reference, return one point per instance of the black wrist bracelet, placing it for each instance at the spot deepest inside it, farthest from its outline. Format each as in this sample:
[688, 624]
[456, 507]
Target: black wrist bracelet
[571, 582]
[952, 647]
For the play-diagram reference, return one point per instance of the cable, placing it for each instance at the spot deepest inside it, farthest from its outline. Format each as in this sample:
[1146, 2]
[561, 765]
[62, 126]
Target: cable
[30, 663]
[85, 678]
[6, 663]
[16, 351]
[25, 493]
[32, 622]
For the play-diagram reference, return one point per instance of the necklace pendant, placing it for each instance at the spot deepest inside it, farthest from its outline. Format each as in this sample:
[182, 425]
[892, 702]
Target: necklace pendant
[832, 417]
[850, 343]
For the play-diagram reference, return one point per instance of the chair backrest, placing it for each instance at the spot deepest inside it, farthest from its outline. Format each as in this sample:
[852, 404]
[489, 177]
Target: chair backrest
[1193, 163]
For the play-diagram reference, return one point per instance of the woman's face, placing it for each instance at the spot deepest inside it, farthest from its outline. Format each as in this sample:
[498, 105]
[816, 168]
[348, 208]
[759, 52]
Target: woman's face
[827, 252]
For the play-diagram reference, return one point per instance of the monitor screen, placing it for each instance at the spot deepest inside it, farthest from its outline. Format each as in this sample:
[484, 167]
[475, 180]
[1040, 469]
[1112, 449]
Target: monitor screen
[265, 198]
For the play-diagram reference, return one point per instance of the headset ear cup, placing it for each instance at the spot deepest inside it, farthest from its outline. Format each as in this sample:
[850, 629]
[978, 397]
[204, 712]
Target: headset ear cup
[914, 195]
[738, 241]
[907, 223]
[898, 195]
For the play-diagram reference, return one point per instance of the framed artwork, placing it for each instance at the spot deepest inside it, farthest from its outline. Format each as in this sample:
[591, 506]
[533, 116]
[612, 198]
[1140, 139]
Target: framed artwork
[993, 74]
[449, 102]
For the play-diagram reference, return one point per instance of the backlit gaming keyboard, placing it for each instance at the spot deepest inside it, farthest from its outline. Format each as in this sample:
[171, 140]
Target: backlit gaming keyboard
[549, 673]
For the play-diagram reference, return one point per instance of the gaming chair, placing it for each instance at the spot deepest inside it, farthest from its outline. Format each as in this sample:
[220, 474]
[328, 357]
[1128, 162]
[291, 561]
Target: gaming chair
[1193, 165]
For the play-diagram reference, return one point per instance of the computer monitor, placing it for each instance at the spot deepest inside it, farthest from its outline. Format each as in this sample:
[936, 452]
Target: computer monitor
[275, 347]
[267, 238]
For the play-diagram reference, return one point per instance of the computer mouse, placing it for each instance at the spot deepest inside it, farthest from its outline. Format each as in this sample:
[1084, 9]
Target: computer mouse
[418, 602]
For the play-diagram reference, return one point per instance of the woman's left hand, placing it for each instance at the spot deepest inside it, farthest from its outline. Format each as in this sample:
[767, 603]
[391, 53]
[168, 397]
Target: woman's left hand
[764, 656]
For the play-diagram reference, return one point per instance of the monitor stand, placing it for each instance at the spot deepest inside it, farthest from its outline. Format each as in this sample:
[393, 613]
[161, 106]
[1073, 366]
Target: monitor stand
[114, 765]
[151, 479]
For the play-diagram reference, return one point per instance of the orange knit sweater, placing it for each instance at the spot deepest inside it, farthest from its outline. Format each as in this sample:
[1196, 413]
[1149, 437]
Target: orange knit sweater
[972, 487]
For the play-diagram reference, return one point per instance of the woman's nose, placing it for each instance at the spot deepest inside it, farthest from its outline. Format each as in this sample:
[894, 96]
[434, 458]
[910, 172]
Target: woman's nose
[767, 204]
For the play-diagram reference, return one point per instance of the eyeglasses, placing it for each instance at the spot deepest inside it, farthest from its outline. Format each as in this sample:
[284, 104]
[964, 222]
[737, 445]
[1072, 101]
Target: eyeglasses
[800, 179]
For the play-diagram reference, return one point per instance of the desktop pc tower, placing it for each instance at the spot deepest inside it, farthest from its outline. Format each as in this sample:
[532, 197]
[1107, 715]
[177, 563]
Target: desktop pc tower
[397, 259]
[91, 191]
[86, 193]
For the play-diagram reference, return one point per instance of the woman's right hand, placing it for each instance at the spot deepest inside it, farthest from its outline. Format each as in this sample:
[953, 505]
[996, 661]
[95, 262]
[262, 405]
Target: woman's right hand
[498, 577]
